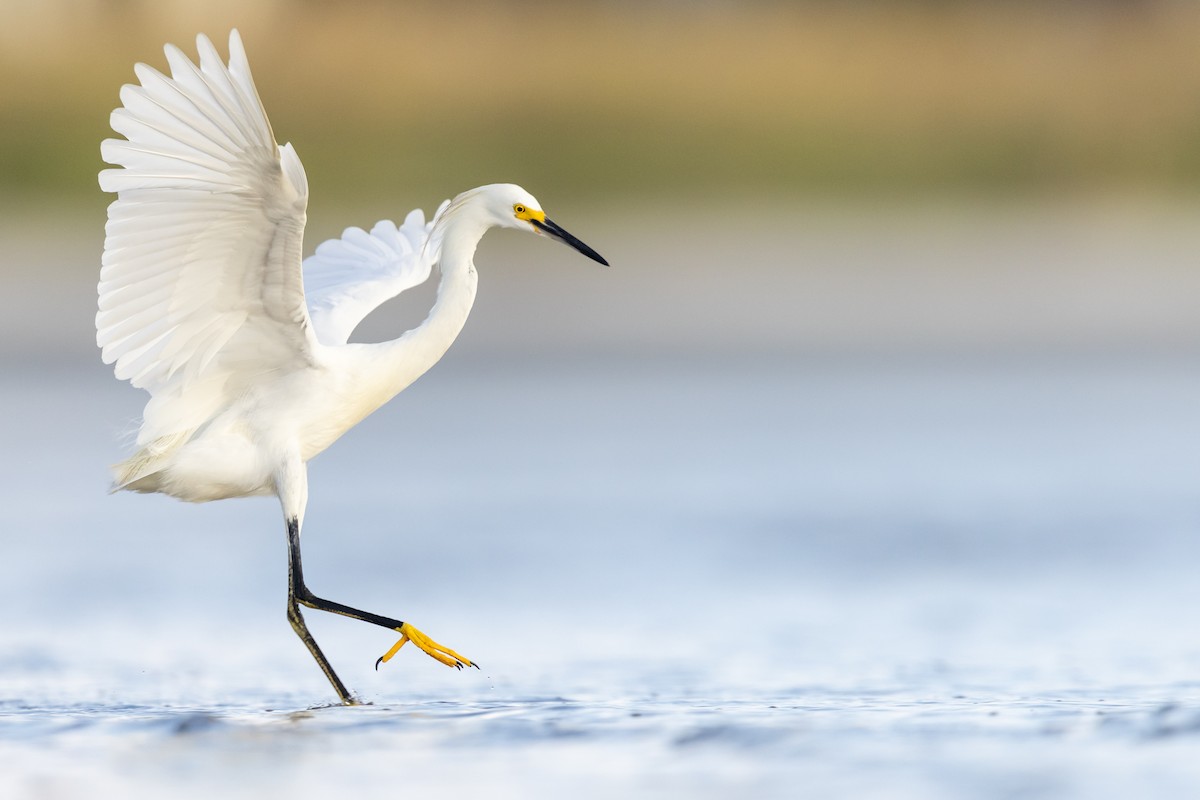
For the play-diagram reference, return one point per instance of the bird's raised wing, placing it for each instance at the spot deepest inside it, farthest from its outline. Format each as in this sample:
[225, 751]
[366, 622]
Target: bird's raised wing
[201, 277]
[347, 278]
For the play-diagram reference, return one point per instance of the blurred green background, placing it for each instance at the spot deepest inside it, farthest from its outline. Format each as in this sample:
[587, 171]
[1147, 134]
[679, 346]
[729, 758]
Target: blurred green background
[618, 101]
[764, 175]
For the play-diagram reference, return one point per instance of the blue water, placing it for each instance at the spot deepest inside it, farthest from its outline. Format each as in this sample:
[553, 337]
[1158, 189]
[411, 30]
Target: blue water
[777, 577]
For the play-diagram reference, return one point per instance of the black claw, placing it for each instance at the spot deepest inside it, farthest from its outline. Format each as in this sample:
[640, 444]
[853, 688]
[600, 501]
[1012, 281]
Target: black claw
[378, 661]
[475, 664]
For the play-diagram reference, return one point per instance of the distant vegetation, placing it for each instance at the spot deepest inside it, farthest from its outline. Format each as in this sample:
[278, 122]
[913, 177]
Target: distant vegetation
[635, 100]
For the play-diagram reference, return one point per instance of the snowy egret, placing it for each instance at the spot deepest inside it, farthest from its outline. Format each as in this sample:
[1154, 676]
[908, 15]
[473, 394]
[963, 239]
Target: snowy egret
[206, 304]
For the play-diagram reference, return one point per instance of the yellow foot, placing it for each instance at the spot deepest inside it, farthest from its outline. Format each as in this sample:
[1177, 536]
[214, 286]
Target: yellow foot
[443, 654]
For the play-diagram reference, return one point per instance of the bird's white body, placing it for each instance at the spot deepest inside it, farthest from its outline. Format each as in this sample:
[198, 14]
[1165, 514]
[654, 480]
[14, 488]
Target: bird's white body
[298, 412]
[205, 303]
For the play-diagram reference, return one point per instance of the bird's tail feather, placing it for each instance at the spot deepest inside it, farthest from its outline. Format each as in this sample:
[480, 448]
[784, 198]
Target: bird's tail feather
[146, 462]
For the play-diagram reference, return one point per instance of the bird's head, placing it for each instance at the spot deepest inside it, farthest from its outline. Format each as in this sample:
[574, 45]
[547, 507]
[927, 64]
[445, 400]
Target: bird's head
[512, 207]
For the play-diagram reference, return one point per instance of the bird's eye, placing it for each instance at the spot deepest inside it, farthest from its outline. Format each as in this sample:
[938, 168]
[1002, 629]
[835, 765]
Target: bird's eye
[520, 209]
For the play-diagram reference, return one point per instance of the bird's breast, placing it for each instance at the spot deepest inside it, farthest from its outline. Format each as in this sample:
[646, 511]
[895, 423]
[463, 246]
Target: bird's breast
[330, 404]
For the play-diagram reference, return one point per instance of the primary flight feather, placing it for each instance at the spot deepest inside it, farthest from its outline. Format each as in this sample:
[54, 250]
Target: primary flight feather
[205, 302]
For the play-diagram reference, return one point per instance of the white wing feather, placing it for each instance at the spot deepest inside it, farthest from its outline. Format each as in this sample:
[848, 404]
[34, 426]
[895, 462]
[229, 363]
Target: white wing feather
[347, 278]
[201, 284]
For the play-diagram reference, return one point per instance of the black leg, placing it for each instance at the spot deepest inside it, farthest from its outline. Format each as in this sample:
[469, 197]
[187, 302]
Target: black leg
[301, 629]
[297, 589]
[298, 593]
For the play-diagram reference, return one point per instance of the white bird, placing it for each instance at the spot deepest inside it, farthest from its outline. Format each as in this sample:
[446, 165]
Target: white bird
[204, 302]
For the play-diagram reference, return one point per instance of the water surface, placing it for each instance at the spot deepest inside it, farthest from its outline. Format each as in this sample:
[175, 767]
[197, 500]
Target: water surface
[922, 577]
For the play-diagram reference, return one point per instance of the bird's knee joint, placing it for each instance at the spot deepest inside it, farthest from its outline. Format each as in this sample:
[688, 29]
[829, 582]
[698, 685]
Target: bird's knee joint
[304, 597]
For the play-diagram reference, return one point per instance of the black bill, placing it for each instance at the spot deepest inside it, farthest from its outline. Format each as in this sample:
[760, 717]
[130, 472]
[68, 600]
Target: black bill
[556, 232]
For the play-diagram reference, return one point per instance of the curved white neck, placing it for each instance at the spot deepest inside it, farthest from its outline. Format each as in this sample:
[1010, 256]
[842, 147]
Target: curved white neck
[410, 356]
